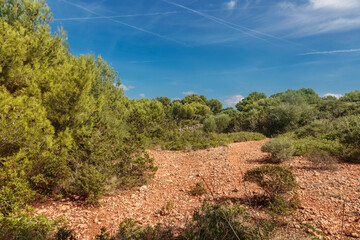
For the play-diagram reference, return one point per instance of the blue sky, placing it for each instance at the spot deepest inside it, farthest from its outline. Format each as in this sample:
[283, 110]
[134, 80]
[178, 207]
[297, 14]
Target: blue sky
[223, 49]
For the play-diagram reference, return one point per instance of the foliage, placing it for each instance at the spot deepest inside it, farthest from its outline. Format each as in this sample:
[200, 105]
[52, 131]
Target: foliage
[274, 180]
[23, 225]
[247, 103]
[281, 149]
[213, 222]
[246, 136]
[198, 189]
[279, 185]
[167, 209]
[129, 229]
[198, 139]
[65, 125]
[308, 145]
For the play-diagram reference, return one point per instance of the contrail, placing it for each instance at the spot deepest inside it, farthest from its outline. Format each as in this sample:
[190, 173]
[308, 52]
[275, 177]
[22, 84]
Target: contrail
[141, 14]
[332, 52]
[125, 24]
[116, 16]
[232, 25]
[220, 21]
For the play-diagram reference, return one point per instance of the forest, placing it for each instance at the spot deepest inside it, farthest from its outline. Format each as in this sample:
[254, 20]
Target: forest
[66, 127]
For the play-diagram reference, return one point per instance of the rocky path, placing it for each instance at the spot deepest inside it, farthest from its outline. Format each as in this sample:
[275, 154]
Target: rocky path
[323, 193]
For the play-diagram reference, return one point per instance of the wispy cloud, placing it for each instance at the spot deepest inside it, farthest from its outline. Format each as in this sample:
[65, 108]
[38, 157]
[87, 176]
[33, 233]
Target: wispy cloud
[189, 92]
[335, 4]
[126, 88]
[231, 4]
[142, 95]
[233, 100]
[260, 35]
[337, 95]
[217, 20]
[125, 24]
[312, 17]
[332, 52]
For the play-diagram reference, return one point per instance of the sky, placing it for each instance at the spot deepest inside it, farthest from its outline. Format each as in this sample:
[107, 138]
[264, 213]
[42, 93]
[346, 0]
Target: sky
[223, 49]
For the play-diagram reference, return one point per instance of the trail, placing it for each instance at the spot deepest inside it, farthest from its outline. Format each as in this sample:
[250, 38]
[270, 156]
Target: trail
[221, 167]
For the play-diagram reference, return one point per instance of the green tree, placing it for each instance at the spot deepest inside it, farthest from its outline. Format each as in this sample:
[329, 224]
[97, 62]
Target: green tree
[245, 104]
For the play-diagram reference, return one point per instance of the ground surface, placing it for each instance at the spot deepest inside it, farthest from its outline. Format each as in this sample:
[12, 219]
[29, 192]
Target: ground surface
[323, 193]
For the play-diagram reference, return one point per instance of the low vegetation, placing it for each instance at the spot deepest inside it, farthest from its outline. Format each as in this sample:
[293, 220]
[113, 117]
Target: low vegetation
[220, 221]
[279, 185]
[198, 189]
[66, 128]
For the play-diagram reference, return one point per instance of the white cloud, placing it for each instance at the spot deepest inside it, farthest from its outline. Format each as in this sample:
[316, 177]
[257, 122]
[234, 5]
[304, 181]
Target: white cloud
[233, 100]
[332, 52]
[337, 95]
[317, 17]
[335, 4]
[231, 4]
[189, 92]
[142, 95]
[126, 88]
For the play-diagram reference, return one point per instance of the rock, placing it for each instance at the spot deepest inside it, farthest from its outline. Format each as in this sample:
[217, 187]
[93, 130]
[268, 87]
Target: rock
[143, 188]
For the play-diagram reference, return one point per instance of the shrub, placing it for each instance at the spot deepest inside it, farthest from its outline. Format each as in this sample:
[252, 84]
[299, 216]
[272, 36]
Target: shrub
[198, 189]
[209, 124]
[281, 149]
[91, 183]
[274, 180]
[167, 209]
[222, 122]
[246, 136]
[213, 222]
[130, 230]
[21, 225]
[280, 206]
[279, 185]
[309, 145]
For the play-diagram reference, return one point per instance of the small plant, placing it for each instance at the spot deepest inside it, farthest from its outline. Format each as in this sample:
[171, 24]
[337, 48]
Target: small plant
[167, 209]
[279, 185]
[198, 189]
[219, 222]
[130, 230]
[281, 149]
[280, 206]
[273, 179]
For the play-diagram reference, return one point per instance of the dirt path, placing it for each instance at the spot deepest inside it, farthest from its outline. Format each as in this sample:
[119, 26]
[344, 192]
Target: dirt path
[321, 192]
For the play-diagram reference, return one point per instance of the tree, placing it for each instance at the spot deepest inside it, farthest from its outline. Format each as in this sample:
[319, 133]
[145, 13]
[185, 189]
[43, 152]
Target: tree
[245, 104]
[351, 97]
[29, 13]
[215, 105]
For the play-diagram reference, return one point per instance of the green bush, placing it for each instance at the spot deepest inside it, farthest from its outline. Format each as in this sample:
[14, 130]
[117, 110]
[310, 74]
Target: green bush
[281, 149]
[213, 222]
[222, 122]
[220, 221]
[130, 230]
[274, 180]
[22, 225]
[209, 124]
[279, 185]
[280, 206]
[308, 145]
[246, 136]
